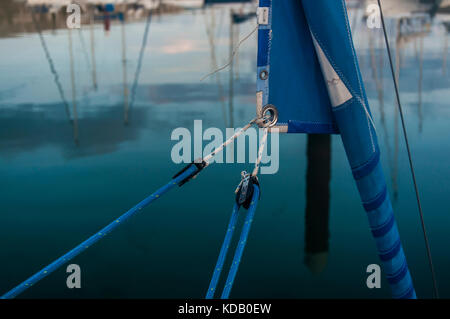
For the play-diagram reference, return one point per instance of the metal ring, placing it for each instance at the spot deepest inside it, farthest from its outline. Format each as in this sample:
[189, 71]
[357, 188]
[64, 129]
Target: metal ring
[269, 112]
[263, 75]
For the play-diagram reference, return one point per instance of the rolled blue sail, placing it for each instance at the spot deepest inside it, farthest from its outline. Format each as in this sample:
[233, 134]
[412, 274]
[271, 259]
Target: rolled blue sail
[332, 38]
[306, 53]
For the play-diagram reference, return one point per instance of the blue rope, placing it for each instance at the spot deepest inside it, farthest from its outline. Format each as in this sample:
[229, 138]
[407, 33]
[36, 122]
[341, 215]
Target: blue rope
[96, 237]
[239, 249]
[223, 252]
[241, 245]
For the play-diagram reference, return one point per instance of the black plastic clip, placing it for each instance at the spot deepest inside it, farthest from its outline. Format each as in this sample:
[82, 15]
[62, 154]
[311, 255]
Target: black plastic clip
[199, 166]
[245, 189]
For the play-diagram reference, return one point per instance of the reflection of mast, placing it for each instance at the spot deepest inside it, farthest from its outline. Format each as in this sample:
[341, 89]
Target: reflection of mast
[380, 91]
[420, 85]
[378, 84]
[396, 115]
[94, 64]
[210, 30]
[51, 65]
[53, 15]
[444, 58]
[139, 65]
[106, 22]
[84, 49]
[236, 36]
[72, 79]
[124, 68]
[231, 73]
[415, 49]
[317, 202]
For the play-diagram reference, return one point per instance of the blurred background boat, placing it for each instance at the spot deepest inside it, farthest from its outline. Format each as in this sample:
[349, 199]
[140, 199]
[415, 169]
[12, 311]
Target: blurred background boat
[186, 4]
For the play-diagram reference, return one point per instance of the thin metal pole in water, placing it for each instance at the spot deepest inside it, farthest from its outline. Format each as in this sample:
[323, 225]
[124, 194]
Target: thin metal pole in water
[405, 135]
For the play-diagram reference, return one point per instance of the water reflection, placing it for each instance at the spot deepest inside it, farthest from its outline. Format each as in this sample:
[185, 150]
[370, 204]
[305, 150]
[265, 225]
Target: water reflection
[56, 76]
[80, 87]
[408, 25]
[139, 65]
[210, 23]
[28, 127]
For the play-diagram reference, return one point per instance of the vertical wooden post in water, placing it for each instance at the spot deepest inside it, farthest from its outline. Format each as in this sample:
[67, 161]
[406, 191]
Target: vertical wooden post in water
[317, 202]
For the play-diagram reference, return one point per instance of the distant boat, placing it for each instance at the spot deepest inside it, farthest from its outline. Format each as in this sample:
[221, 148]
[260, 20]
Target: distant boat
[187, 4]
[226, 1]
[406, 7]
[241, 17]
[445, 5]
[149, 4]
[48, 2]
[50, 5]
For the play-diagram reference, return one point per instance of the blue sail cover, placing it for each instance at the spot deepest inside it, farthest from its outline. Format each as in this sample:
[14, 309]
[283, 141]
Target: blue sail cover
[314, 81]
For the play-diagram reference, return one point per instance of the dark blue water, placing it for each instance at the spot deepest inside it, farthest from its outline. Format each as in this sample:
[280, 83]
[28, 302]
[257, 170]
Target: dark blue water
[58, 187]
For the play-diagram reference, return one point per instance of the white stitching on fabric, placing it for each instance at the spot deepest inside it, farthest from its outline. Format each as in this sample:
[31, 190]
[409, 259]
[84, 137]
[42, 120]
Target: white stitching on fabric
[344, 79]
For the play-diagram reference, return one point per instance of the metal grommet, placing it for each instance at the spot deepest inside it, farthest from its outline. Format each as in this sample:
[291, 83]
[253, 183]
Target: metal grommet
[263, 75]
[269, 116]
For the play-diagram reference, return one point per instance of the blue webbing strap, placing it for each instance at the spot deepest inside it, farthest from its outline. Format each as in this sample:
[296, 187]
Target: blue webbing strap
[223, 252]
[97, 236]
[239, 249]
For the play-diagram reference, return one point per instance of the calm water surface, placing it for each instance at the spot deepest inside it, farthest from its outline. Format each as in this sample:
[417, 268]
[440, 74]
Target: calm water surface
[64, 177]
